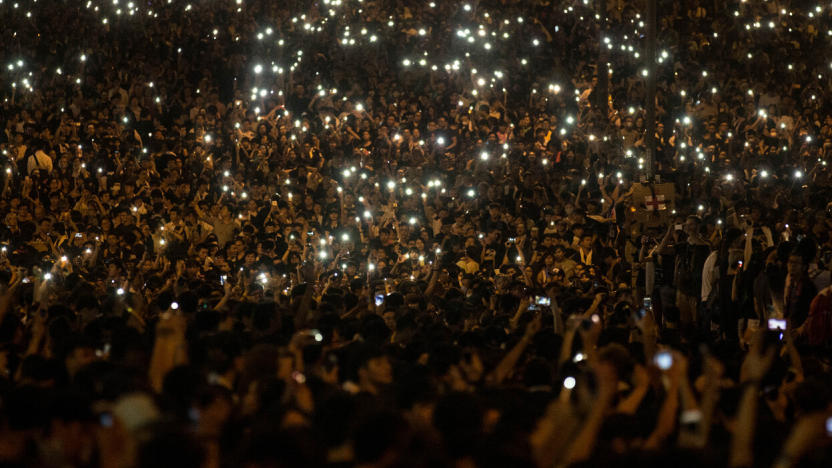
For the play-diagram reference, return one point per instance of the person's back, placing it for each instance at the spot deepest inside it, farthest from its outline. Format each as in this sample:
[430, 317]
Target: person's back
[818, 326]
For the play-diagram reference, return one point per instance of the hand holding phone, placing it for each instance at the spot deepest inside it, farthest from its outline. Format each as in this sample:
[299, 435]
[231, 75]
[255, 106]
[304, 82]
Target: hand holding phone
[663, 360]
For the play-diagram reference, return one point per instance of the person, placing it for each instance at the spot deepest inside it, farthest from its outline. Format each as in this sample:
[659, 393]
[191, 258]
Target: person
[39, 162]
[362, 234]
[691, 255]
[799, 290]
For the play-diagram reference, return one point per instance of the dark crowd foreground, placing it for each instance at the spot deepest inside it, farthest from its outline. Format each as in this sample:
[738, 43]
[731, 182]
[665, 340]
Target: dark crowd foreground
[352, 233]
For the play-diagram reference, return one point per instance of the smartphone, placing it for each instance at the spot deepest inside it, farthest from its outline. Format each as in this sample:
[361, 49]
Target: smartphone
[663, 360]
[379, 299]
[542, 301]
[313, 333]
[298, 377]
[690, 418]
[678, 227]
[647, 302]
[78, 234]
[586, 324]
[223, 278]
[512, 239]
[776, 324]
[103, 352]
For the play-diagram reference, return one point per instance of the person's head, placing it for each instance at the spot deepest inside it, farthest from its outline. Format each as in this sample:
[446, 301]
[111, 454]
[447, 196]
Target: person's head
[796, 266]
[586, 241]
[78, 353]
[373, 368]
[692, 225]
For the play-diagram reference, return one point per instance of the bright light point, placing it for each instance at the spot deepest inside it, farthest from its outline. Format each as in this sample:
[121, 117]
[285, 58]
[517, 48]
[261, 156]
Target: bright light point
[471, 193]
[798, 174]
[258, 69]
[569, 383]
[120, 291]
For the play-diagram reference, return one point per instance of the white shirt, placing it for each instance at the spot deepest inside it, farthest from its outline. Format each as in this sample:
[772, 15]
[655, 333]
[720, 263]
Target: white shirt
[39, 161]
[710, 274]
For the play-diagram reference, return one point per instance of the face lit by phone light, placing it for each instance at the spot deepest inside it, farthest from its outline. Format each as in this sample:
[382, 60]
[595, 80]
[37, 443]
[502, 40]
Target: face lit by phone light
[376, 371]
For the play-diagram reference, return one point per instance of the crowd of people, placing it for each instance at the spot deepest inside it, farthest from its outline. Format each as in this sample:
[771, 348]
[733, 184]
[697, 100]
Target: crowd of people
[378, 233]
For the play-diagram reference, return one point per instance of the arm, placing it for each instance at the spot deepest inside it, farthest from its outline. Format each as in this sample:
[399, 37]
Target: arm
[747, 251]
[753, 369]
[641, 381]
[742, 453]
[11, 289]
[663, 244]
[805, 435]
[510, 360]
[667, 417]
[584, 443]
[168, 349]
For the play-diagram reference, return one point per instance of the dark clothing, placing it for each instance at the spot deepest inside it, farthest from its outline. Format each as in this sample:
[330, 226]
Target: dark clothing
[797, 299]
[690, 259]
